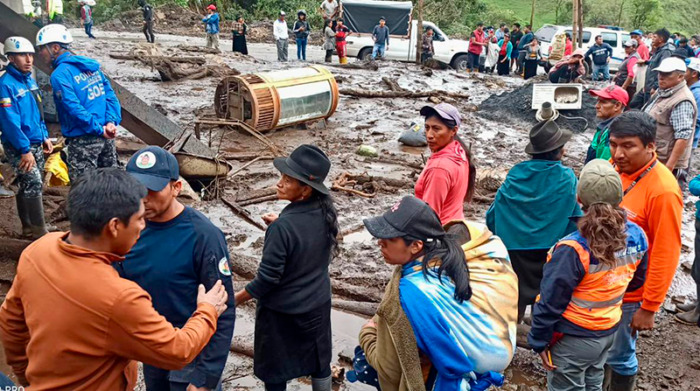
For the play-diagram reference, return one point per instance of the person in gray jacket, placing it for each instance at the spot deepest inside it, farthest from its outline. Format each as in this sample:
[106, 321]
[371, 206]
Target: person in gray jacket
[329, 39]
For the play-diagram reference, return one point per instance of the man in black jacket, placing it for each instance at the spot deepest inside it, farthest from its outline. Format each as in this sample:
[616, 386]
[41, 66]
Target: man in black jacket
[661, 50]
[147, 21]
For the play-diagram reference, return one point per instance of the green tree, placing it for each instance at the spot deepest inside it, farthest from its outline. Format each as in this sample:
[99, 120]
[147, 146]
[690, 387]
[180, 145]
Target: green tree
[643, 13]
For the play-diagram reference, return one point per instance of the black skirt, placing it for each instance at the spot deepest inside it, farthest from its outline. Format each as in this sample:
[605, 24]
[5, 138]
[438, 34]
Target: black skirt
[239, 44]
[528, 265]
[289, 346]
[503, 67]
[530, 68]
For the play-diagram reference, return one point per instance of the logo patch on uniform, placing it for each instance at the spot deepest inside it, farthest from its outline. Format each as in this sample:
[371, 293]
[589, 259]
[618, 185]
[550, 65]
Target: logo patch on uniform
[223, 267]
[5, 102]
[146, 160]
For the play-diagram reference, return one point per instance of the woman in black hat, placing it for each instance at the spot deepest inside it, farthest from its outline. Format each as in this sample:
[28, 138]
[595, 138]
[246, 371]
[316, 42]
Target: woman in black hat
[240, 29]
[292, 287]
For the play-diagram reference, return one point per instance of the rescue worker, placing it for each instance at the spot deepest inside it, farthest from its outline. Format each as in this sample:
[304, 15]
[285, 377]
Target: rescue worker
[177, 251]
[24, 135]
[612, 101]
[586, 275]
[88, 109]
[69, 322]
[652, 200]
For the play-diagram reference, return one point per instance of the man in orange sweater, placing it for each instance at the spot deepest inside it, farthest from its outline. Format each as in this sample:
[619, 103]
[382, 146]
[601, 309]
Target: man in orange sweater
[653, 201]
[69, 322]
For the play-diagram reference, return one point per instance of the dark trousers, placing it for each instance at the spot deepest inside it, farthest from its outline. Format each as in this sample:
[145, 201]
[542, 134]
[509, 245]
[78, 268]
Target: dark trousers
[528, 265]
[157, 379]
[425, 56]
[88, 30]
[473, 61]
[503, 67]
[329, 55]
[639, 100]
[301, 48]
[148, 31]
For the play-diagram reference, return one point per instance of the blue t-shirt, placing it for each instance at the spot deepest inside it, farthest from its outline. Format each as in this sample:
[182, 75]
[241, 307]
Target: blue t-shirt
[169, 261]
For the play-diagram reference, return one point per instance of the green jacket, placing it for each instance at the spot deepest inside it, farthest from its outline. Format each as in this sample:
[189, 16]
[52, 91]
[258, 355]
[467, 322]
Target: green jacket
[600, 145]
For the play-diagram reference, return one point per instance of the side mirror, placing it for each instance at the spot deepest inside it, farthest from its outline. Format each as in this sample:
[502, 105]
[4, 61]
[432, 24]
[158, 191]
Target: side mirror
[441, 38]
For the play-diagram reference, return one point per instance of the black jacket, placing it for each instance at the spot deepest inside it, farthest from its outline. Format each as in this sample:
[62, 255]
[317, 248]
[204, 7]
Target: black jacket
[293, 273]
[651, 81]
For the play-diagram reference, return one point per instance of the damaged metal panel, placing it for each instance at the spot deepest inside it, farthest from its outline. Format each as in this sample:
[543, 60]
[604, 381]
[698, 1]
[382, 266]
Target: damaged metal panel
[138, 117]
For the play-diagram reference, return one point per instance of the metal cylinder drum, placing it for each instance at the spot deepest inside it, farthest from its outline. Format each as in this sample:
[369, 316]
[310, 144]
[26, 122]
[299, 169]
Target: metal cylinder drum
[276, 99]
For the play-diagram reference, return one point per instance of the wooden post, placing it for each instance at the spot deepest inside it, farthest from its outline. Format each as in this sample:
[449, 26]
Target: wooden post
[419, 32]
[580, 23]
[532, 14]
[574, 30]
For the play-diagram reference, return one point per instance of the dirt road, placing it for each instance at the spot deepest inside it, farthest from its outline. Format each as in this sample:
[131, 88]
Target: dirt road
[359, 274]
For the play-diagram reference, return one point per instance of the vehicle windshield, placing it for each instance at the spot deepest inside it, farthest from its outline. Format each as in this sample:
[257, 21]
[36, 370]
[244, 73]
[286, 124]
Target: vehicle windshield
[438, 35]
[546, 33]
[586, 35]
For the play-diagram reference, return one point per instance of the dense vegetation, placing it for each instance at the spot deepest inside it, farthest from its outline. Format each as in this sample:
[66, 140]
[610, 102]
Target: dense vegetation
[459, 16]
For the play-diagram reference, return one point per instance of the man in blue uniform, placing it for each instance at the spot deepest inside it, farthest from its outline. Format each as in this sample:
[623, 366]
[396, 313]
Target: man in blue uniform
[24, 135]
[179, 250]
[88, 109]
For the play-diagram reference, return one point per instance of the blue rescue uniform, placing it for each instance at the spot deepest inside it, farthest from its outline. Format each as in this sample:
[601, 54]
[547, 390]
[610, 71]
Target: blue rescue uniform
[170, 261]
[85, 102]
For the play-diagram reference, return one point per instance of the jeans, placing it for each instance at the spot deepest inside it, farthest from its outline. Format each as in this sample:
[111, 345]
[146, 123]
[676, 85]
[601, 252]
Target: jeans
[379, 48]
[301, 48]
[148, 31]
[157, 379]
[282, 49]
[604, 69]
[88, 30]
[622, 357]
[579, 363]
[473, 61]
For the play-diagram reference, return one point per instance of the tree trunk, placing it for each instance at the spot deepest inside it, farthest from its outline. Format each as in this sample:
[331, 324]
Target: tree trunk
[419, 32]
[532, 14]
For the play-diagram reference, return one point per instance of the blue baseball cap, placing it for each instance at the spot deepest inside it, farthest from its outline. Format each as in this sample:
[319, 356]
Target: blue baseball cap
[637, 32]
[154, 167]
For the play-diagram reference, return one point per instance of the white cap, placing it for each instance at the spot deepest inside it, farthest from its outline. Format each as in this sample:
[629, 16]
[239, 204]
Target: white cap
[18, 45]
[671, 64]
[283, 13]
[694, 64]
[53, 33]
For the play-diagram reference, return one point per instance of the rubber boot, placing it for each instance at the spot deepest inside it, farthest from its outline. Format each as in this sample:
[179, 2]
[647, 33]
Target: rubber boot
[622, 383]
[323, 384]
[23, 213]
[690, 317]
[5, 192]
[685, 307]
[35, 208]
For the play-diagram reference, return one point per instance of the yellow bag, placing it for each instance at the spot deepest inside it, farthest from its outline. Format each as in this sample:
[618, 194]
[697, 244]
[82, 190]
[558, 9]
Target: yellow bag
[58, 170]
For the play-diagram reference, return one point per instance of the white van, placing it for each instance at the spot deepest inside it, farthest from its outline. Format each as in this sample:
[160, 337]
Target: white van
[614, 38]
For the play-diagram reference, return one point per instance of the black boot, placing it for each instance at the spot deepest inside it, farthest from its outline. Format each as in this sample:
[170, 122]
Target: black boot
[622, 383]
[23, 213]
[35, 208]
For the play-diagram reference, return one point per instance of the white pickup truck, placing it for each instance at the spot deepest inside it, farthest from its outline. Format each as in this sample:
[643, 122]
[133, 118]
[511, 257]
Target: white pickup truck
[403, 48]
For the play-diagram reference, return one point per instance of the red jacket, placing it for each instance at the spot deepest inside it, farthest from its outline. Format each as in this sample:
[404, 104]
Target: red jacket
[444, 182]
[478, 38]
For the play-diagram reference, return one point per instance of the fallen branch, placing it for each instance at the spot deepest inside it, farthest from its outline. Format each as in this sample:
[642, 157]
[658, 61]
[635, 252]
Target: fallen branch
[343, 180]
[149, 59]
[243, 347]
[245, 266]
[358, 307]
[255, 194]
[243, 213]
[259, 200]
[246, 156]
[200, 49]
[354, 292]
[401, 94]
[370, 66]
[243, 167]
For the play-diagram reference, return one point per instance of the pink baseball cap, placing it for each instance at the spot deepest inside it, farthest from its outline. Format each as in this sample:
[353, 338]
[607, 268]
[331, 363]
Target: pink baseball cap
[612, 92]
[444, 110]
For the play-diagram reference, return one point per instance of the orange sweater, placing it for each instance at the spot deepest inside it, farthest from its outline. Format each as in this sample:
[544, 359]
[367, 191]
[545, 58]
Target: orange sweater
[655, 204]
[69, 322]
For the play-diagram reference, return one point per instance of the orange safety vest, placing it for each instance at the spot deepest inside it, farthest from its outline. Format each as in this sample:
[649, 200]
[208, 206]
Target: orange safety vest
[596, 303]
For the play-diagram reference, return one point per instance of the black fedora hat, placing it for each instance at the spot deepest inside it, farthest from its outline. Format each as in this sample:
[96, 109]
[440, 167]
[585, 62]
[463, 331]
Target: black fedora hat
[546, 136]
[307, 164]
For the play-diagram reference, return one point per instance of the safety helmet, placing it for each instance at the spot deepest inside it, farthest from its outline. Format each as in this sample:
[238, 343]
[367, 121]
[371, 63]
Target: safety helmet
[53, 33]
[17, 45]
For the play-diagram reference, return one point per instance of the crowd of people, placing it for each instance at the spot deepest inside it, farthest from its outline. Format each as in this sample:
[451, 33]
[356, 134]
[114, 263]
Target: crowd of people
[141, 277]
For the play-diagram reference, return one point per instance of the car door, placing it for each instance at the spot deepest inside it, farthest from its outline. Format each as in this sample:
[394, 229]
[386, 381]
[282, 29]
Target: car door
[612, 38]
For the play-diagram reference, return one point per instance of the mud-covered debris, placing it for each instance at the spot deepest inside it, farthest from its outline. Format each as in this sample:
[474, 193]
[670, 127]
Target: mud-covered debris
[367, 150]
[516, 107]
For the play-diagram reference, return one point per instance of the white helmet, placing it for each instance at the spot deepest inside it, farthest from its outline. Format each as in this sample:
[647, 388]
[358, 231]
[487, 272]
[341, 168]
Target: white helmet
[18, 45]
[53, 33]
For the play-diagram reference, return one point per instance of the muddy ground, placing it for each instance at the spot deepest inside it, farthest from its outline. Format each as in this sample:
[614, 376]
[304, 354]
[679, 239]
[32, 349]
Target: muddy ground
[668, 354]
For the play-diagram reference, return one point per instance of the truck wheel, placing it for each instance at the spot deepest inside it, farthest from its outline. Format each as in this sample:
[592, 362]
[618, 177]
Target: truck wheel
[460, 62]
[364, 54]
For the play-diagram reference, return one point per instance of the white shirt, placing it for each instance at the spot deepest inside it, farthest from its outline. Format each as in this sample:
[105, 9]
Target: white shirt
[329, 8]
[280, 30]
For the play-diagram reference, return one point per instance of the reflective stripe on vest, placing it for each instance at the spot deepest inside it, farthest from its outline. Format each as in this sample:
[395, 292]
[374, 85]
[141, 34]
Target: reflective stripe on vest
[596, 303]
